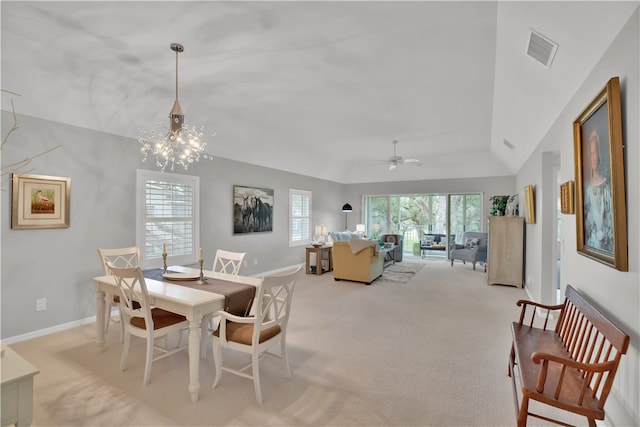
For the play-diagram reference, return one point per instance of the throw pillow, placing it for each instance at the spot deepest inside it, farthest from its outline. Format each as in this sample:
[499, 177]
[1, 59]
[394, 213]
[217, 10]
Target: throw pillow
[471, 242]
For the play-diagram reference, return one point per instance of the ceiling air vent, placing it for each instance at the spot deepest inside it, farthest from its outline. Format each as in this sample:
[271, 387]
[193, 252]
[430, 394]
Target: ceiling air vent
[541, 49]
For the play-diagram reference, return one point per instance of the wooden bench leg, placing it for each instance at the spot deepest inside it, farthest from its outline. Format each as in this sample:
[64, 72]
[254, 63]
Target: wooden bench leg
[524, 410]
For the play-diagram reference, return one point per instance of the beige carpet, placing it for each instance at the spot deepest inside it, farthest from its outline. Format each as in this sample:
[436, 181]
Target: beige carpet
[432, 352]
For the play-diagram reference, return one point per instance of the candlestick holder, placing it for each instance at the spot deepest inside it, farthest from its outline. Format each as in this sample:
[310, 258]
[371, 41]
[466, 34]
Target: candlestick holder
[164, 262]
[202, 280]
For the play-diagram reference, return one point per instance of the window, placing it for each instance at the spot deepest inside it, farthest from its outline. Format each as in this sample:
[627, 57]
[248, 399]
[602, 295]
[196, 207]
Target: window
[167, 207]
[299, 217]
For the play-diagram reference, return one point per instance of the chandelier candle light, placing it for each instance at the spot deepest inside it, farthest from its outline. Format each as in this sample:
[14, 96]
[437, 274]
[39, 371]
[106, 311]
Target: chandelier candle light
[180, 144]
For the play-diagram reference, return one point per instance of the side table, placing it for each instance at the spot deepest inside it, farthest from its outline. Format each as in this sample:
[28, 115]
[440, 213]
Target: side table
[319, 251]
[17, 388]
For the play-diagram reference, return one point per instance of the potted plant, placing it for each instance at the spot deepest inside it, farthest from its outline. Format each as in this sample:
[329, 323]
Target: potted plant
[498, 205]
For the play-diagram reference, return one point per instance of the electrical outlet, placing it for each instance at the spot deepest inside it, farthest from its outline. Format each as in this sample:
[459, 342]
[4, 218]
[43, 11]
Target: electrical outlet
[255, 261]
[41, 304]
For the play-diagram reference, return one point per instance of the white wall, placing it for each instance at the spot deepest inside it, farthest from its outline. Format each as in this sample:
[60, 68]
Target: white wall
[617, 293]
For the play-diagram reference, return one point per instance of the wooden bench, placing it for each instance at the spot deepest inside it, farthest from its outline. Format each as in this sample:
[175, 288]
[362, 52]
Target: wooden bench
[571, 367]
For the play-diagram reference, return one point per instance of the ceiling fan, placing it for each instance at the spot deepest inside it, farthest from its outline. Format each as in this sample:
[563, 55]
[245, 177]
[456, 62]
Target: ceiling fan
[395, 160]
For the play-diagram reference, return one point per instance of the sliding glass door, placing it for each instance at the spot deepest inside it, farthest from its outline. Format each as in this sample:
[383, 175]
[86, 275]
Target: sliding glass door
[414, 216]
[465, 214]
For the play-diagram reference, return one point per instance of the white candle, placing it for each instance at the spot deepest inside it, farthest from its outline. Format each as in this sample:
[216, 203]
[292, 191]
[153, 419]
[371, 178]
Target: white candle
[201, 257]
[164, 249]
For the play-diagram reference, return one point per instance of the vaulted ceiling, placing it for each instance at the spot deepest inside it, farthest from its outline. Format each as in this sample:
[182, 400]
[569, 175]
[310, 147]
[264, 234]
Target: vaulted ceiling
[317, 88]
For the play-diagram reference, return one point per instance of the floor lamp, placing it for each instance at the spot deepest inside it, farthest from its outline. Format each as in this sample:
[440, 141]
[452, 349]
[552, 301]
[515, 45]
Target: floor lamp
[346, 209]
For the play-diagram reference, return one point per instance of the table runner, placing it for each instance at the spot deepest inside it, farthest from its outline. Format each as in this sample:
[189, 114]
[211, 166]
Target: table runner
[238, 297]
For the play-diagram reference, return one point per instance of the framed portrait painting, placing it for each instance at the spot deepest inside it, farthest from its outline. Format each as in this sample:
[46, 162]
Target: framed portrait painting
[601, 222]
[252, 209]
[40, 201]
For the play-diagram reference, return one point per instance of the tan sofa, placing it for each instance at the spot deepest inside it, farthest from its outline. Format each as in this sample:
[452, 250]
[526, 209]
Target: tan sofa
[364, 266]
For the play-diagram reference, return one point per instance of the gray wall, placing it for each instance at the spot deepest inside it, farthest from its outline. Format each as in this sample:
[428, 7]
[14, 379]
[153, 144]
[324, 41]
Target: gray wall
[616, 292]
[58, 264]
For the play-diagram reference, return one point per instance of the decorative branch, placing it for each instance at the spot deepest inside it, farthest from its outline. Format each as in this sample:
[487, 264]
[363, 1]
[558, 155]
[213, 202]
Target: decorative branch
[22, 163]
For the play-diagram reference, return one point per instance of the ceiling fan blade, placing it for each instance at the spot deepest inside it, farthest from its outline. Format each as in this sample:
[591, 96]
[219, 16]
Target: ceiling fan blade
[392, 166]
[416, 161]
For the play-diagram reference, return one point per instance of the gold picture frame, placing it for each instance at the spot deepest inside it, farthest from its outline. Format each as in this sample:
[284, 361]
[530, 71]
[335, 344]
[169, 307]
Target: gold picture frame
[529, 204]
[40, 201]
[601, 221]
[566, 198]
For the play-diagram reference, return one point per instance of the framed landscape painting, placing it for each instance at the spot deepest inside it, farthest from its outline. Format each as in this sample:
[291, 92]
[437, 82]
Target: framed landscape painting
[40, 201]
[252, 209]
[601, 222]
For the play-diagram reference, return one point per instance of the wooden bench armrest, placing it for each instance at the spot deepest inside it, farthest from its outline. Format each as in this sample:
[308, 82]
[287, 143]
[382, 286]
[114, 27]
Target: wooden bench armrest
[535, 305]
[539, 305]
[539, 356]
[588, 369]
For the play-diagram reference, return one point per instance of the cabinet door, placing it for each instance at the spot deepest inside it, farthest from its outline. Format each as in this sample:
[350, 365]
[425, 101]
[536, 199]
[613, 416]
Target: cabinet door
[506, 250]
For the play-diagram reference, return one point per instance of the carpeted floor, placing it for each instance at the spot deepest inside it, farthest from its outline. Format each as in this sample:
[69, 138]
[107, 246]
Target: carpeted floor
[432, 352]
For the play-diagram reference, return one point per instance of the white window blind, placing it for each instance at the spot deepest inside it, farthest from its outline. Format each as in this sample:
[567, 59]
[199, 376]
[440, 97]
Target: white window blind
[299, 217]
[167, 211]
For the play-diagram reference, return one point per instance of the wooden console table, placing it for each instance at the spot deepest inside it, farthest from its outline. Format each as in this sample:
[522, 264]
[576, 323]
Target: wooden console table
[319, 251]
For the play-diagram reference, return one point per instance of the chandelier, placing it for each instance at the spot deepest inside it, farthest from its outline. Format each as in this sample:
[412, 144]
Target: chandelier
[180, 144]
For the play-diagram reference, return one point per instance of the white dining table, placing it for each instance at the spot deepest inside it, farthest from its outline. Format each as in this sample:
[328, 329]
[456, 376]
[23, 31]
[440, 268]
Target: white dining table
[192, 303]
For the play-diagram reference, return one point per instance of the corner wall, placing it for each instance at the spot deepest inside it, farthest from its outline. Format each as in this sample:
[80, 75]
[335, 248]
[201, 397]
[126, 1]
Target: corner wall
[616, 293]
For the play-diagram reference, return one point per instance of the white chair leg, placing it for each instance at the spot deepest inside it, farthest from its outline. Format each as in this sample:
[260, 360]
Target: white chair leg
[148, 361]
[121, 328]
[285, 359]
[125, 351]
[255, 362]
[217, 361]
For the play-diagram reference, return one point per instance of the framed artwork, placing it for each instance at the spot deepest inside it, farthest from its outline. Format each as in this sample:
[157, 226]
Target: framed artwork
[601, 221]
[40, 201]
[566, 198]
[252, 209]
[529, 204]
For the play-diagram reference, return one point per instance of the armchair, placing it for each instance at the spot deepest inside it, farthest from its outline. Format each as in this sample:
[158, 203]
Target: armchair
[472, 249]
[397, 240]
[364, 266]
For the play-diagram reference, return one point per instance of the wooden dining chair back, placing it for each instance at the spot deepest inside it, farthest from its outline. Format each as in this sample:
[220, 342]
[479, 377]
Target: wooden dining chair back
[228, 262]
[120, 257]
[260, 332]
[142, 320]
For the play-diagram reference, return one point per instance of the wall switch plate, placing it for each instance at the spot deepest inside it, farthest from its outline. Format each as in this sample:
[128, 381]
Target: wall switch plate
[41, 304]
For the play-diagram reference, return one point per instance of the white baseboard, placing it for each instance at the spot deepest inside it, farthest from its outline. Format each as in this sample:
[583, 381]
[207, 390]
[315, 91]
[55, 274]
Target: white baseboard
[50, 330]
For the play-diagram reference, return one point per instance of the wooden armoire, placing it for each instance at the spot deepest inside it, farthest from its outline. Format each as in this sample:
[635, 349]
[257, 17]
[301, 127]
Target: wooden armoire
[506, 250]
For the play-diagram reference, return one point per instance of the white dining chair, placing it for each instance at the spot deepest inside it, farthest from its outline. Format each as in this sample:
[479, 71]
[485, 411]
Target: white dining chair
[228, 262]
[260, 332]
[120, 257]
[150, 323]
